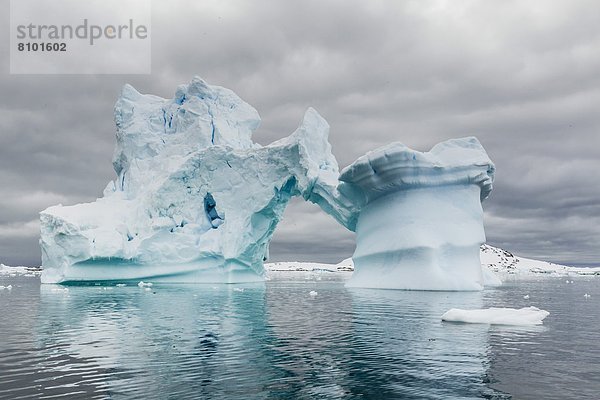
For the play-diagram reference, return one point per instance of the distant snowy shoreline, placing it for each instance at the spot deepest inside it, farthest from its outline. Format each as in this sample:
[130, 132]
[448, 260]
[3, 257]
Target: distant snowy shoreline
[508, 266]
[503, 264]
[6, 270]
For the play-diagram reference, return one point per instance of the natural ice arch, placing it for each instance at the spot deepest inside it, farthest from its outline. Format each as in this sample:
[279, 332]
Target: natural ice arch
[196, 200]
[307, 233]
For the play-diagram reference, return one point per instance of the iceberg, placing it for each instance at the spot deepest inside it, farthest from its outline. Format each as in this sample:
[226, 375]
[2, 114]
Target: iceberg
[195, 199]
[418, 216]
[497, 316]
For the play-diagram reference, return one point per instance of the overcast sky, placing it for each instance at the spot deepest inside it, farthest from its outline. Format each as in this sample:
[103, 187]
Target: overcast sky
[522, 76]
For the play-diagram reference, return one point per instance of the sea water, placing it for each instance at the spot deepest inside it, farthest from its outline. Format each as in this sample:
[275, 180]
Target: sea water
[278, 340]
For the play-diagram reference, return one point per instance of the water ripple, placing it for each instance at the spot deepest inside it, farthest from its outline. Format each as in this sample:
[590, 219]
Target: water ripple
[277, 341]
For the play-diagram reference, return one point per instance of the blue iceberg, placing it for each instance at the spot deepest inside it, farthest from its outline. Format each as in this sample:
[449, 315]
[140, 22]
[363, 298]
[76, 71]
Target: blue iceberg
[196, 200]
[418, 216]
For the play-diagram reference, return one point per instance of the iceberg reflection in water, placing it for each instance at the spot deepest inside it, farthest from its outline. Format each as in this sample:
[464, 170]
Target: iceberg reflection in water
[271, 340]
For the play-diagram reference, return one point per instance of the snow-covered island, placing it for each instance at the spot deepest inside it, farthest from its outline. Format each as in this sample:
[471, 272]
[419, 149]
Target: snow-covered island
[508, 266]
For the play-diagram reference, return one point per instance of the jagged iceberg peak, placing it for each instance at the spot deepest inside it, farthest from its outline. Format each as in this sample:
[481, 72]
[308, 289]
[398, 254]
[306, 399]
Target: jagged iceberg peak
[312, 139]
[397, 167]
[195, 199]
[152, 131]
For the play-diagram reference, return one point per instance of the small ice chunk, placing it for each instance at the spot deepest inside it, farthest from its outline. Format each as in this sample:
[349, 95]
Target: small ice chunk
[497, 316]
[526, 297]
[145, 284]
[60, 289]
[587, 296]
[9, 287]
[120, 284]
[237, 289]
[147, 289]
[313, 293]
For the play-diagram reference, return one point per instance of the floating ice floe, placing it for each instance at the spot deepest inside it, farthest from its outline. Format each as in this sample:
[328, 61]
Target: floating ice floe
[145, 284]
[9, 287]
[497, 316]
[313, 293]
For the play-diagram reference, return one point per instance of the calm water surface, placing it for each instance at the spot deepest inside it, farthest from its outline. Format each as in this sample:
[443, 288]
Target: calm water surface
[275, 341]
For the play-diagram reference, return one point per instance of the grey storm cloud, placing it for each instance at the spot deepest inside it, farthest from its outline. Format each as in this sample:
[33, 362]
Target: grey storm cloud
[524, 77]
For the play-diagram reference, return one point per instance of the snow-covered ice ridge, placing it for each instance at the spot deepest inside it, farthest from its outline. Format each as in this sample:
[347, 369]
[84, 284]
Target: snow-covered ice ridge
[195, 200]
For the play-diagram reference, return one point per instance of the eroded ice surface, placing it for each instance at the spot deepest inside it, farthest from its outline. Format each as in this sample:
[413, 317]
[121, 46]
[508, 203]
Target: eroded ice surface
[195, 200]
[497, 316]
[419, 222]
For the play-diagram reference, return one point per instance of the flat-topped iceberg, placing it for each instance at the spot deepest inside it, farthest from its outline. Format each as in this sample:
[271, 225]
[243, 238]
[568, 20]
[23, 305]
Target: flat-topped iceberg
[195, 200]
[419, 221]
[497, 316]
